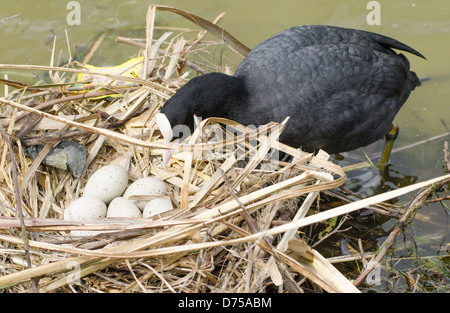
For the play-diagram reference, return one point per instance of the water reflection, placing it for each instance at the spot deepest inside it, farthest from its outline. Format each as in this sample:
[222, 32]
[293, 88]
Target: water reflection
[368, 180]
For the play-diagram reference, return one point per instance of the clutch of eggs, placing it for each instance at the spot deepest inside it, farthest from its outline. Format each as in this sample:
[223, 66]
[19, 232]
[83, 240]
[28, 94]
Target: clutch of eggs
[106, 195]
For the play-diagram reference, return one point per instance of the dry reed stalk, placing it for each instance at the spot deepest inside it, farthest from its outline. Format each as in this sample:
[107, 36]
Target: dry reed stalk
[125, 138]
[150, 23]
[175, 233]
[190, 247]
[211, 27]
[18, 197]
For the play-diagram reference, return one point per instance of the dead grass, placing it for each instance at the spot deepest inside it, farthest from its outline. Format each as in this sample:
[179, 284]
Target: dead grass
[223, 234]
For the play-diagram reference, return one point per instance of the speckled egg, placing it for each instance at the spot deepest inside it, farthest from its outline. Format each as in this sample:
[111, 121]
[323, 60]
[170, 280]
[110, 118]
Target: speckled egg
[107, 183]
[121, 207]
[157, 206]
[85, 208]
[151, 185]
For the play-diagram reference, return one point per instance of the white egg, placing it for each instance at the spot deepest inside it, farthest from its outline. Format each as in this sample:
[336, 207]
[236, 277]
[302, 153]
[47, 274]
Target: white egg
[121, 207]
[151, 186]
[157, 206]
[107, 183]
[85, 208]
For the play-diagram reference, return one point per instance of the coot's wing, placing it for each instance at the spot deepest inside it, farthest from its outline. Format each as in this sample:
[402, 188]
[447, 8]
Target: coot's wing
[309, 35]
[343, 78]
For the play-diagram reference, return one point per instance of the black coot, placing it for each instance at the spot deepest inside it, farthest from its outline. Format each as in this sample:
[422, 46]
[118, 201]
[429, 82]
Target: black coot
[341, 88]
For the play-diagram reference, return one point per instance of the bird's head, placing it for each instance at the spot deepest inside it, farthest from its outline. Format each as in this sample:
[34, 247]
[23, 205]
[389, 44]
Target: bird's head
[205, 96]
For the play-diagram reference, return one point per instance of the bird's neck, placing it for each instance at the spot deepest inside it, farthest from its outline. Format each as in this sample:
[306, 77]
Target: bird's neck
[219, 95]
[209, 95]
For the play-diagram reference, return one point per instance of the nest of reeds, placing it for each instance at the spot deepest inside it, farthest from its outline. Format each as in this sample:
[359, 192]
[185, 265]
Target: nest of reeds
[227, 231]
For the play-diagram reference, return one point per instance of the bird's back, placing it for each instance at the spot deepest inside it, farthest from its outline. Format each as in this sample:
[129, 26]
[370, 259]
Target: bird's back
[341, 87]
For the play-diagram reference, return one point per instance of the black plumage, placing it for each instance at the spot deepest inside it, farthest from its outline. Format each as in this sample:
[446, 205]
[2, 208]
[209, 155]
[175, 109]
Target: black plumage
[341, 88]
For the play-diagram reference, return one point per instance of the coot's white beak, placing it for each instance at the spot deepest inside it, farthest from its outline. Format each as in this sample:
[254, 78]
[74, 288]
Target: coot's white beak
[166, 131]
[164, 126]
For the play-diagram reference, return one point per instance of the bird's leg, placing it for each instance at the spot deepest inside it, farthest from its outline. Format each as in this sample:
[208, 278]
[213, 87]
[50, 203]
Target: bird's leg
[388, 144]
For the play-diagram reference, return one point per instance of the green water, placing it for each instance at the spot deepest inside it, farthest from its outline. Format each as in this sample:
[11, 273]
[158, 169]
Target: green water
[424, 25]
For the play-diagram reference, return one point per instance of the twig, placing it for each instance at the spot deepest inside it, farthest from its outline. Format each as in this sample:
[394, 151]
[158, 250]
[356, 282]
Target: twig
[439, 199]
[55, 137]
[418, 143]
[19, 206]
[446, 156]
[335, 230]
[163, 280]
[417, 203]
[447, 165]
[51, 103]
[34, 119]
[361, 252]
[130, 268]
[8, 18]
[201, 36]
